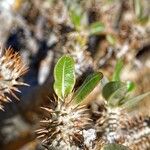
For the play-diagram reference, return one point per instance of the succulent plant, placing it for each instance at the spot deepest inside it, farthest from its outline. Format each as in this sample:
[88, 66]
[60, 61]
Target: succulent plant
[116, 125]
[67, 125]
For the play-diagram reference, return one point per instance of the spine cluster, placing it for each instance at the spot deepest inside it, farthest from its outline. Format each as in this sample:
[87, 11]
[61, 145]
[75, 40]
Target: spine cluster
[137, 132]
[11, 68]
[64, 126]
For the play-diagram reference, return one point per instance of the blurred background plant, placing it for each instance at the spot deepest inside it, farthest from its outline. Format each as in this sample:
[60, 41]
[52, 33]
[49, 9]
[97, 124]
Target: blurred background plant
[11, 69]
[95, 32]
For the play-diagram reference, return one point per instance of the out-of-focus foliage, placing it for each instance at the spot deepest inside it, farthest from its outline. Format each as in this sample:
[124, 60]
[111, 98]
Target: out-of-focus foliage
[117, 71]
[114, 147]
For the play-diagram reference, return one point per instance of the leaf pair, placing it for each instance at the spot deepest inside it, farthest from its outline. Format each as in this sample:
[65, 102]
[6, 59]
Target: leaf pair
[115, 93]
[115, 90]
[64, 75]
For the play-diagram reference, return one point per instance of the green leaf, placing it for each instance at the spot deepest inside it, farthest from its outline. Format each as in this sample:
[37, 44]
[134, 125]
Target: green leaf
[88, 85]
[110, 88]
[115, 99]
[138, 8]
[76, 17]
[114, 92]
[111, 39]
[143, 20]
[114, 147]
[96, 28]
[64, 75]
[118, 69]
[130, 86]
[131, 102]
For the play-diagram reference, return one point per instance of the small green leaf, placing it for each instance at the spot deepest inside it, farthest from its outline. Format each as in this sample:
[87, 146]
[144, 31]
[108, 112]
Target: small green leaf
[64, 75]
[144, 19]
[111, 39]
[114, 92]
[134, 101]
[118, 69]
[110, 88]
[115, 99]
[138, 8]
[96, 28]
[88, 85]
[76, 17]
[130, 86]
[114, 147]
